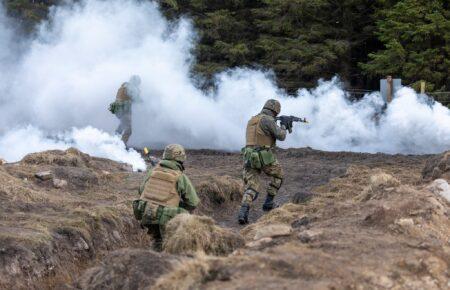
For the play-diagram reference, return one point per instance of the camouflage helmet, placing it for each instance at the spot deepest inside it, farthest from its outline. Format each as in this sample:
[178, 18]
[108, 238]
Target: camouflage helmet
[174, 152]
[273, 105]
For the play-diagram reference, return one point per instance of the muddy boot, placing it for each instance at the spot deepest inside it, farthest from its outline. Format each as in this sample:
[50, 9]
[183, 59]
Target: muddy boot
[269, 204]
[243, 214]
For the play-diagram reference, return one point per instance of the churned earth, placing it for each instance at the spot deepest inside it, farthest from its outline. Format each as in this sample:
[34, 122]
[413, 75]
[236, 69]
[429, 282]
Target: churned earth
[348, 221]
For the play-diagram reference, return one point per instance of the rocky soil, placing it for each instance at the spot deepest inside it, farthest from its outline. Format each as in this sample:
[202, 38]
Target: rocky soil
[349, 221]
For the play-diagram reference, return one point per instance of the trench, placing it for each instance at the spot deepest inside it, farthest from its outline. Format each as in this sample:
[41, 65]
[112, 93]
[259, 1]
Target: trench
[304, 169]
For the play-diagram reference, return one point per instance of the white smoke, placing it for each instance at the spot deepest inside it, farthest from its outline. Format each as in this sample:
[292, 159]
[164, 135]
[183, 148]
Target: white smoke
[9, 46]
[72, 69]
[409, 124]
[15, 144]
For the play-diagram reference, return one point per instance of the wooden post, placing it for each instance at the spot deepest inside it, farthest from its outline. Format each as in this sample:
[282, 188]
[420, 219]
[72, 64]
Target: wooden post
[390, 89]
[422, 87]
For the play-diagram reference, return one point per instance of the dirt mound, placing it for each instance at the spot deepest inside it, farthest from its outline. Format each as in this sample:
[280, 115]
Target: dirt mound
[71, 167]
[396, 239]
[72, 159]
[18, 190]
[220, 189]
[69, 157]
[186, 274]
[380, 183]
[437, 167]
[126, 269]
[189, 234]
[47, 232]
[284, 215]
[382, 180]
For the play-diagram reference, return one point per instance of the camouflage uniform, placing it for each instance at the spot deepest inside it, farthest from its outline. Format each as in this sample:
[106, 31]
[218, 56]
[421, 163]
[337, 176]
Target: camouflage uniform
[126, 94]
[166, 192]
[262, 133]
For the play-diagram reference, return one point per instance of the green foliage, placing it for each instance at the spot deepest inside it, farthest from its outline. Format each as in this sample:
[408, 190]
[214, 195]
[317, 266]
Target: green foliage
[301, 40]
[416, 36]
[297, 41]
[304, 40]
[171, 3]
[30, 12]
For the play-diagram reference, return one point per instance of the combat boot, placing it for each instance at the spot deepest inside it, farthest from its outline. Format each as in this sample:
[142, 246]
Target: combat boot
[269, 204]
[243, 214]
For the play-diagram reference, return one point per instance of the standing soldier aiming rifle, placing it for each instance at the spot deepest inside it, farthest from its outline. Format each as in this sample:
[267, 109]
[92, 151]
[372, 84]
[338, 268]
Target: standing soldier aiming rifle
[261, 135]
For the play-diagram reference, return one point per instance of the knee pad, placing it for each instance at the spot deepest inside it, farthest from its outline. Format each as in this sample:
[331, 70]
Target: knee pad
[276, 183]
[250, 195]
[247, 199]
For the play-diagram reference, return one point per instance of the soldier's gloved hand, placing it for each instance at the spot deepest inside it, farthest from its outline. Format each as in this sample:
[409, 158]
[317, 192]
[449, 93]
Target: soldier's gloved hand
[284, 128]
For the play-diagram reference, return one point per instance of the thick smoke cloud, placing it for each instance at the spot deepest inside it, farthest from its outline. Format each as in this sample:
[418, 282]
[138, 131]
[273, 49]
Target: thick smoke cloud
[70, 72]
[17, 143]
[9, 45]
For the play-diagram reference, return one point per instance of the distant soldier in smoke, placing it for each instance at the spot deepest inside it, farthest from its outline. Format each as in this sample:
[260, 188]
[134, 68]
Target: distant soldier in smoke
[165, 192]
[262, 133]
[128, 93]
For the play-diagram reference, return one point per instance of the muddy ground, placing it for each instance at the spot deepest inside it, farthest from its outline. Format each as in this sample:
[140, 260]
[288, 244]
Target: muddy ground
[304, 169]
[353, 234]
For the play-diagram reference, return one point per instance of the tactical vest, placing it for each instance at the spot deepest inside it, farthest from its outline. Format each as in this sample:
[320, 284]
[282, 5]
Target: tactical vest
[255, 136]
[122, 94]
[161, 187]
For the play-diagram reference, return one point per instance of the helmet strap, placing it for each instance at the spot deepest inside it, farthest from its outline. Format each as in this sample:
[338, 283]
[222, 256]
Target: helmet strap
[181, 165]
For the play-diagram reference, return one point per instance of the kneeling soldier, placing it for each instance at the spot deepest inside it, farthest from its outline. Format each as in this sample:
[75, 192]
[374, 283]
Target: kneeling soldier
[166, 192]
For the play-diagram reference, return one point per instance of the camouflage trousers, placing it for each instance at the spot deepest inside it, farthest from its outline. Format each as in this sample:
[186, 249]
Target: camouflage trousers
[159, 220]
[157, 233]
[252, 182]
[124, 128]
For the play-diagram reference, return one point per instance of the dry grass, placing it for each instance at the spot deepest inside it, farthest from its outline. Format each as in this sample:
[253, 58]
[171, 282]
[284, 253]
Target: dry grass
[284, 215]
[380, 184]
[427, 213]
[348, 186]
[437, 167]
[362, 183]
[382, 180]
[69, 157]
[186, 274]
[220, 189]
[18, 190]
[78, 222]
[189, 234]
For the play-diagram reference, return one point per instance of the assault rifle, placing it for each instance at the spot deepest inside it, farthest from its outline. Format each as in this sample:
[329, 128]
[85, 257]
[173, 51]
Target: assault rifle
[287, 121]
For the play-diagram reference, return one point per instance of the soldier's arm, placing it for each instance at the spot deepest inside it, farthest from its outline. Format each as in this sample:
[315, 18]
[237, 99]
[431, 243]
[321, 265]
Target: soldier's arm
[141, 188]
[189, 197]
[270, 126]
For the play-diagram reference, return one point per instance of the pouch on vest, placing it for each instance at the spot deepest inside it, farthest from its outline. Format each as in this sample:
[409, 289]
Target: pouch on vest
[255, 161]
[267, 157]
[139, 208]
[113, 107]
[251, 158]
[246, 154]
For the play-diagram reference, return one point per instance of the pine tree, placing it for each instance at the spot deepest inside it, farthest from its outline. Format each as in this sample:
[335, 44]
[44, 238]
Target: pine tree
[301, 40]
[416, 36]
